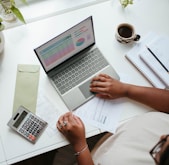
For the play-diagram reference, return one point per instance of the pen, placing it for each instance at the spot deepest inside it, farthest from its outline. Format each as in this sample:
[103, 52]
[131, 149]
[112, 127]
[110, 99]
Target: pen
[157, 59]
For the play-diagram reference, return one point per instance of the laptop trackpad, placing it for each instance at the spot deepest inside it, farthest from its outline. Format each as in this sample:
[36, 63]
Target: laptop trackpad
[84, 88]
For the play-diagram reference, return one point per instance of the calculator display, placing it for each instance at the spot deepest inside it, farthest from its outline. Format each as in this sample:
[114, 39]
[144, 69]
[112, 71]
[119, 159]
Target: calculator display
[20, 119]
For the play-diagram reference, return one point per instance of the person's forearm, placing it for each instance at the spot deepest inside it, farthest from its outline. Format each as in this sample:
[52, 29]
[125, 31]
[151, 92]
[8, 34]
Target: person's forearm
[83, 155]
[85, 158]
[153, 97]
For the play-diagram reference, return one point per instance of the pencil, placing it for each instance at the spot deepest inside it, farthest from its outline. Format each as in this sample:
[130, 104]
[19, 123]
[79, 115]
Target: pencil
[157, 58]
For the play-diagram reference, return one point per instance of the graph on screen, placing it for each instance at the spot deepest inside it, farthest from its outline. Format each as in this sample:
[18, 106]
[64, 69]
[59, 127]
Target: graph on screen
[57, 50]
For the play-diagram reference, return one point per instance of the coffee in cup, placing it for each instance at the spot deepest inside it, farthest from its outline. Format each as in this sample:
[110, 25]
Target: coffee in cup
[125, 33]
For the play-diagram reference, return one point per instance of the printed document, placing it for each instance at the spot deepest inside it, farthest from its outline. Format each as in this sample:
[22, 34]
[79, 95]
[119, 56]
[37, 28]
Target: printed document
[104, 114]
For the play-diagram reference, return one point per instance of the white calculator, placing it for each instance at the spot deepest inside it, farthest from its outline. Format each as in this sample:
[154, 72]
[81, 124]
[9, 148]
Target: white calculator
[27, 124]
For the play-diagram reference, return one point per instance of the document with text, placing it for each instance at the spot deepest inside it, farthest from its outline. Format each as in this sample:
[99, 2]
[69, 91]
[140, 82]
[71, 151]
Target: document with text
[104, 114]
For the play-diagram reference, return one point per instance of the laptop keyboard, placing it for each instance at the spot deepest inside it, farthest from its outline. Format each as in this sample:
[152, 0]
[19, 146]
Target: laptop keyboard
[74, 74]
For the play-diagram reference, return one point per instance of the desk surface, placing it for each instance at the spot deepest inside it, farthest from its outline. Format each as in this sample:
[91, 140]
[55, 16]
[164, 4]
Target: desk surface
[2, 157]
[19, 45]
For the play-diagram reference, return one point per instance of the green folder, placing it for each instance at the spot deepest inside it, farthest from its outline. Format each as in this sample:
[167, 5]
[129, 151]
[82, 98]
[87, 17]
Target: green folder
[26, 87]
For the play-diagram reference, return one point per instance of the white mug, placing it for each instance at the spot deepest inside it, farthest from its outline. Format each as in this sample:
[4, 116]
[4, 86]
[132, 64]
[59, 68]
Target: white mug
[125, 33]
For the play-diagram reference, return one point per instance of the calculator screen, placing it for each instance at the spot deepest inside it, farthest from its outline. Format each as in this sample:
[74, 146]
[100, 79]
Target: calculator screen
[20, 119]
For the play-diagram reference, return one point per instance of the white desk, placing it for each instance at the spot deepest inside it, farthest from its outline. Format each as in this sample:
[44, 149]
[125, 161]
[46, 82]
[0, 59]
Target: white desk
[2, 157]
[21, 40]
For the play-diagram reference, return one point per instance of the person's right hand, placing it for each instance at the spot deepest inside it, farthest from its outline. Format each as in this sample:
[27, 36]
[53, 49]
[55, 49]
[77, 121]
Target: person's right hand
[108, 88]
[73, 129]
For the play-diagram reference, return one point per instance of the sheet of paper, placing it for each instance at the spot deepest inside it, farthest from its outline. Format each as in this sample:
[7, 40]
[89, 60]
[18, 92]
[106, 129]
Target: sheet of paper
[49, 113]
[100, 113]
[159, 46]
[103, 114]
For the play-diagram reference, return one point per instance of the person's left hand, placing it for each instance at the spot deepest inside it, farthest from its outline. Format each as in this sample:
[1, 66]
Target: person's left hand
[73, 129]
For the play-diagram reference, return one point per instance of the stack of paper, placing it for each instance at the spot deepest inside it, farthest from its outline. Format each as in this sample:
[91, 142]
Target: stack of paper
[151, 58]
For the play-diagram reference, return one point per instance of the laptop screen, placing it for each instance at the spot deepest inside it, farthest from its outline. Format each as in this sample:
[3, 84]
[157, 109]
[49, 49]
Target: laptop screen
[67, 44]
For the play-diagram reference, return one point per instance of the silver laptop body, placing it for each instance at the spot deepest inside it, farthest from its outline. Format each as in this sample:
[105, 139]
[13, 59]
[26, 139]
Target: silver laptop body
[71, 60]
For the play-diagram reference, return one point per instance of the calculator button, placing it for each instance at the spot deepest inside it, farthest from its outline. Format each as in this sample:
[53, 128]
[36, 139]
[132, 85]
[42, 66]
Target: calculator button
[26, 134]
[32, 137]
[31, 116]
[21, 130]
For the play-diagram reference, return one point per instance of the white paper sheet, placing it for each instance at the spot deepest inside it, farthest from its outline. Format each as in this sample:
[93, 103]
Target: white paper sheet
[103, 114]
[49, 113]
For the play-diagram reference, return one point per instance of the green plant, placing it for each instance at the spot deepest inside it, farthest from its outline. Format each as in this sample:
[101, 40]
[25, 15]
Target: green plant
[10, 7]
[125, 3]
[1, 25]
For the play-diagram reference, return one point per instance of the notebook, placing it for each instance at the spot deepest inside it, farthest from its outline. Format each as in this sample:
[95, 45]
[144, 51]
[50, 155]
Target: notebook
[142, 59]
[155, 66]
[71, 60]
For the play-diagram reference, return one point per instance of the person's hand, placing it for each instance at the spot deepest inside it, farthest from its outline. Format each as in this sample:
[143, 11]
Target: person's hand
[73, 129]
[108, 88]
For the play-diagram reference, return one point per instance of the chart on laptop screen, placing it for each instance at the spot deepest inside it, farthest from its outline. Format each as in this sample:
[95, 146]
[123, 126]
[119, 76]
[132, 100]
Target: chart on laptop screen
[57, 50]
[66, 44]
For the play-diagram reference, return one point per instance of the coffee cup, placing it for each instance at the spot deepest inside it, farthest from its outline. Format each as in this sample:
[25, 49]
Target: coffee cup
[125, 33]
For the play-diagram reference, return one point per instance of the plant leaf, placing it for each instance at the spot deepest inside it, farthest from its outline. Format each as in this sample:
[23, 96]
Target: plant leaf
[24, 1]
[2, 27]
[125, 3]
[18, 14]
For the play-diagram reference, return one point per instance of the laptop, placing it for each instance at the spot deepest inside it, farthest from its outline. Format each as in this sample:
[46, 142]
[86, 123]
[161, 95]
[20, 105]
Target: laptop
[71, 60]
